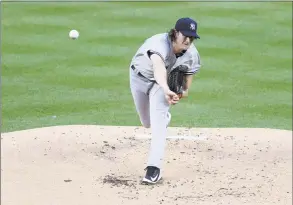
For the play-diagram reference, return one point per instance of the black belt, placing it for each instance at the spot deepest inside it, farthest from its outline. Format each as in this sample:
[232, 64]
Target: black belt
[138, 73]
[145, 79]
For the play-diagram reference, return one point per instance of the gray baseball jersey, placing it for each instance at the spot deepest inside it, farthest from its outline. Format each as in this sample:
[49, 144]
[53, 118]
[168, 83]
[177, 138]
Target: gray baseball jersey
[161, 45]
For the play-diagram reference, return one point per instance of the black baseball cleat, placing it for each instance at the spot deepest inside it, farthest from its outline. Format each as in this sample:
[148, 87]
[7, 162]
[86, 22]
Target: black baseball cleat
[152, 176]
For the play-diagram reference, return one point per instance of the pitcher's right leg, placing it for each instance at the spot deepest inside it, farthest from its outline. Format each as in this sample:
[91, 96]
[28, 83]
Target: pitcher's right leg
[141, 102]
[140, 98]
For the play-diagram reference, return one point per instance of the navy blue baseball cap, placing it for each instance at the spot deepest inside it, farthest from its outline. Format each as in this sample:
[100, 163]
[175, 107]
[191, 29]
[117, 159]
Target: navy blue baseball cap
[187, 26]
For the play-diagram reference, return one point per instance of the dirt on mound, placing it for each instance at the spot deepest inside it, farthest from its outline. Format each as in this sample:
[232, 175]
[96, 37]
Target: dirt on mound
[90, 165]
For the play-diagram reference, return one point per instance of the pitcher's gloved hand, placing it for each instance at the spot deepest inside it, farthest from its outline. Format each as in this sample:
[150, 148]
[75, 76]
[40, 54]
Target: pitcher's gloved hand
[183, 94]
[176, 80]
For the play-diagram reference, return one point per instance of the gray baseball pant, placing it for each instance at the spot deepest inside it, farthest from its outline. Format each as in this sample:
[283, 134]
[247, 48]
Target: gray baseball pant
[152, 109]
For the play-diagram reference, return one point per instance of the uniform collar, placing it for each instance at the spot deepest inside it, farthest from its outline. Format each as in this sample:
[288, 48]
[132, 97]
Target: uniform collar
[180, 54]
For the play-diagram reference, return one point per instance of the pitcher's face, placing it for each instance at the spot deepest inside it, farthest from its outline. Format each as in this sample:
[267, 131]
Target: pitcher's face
[183, 42]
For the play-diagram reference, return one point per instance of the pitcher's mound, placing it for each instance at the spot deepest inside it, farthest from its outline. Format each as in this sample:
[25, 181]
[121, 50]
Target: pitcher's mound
[103, 165]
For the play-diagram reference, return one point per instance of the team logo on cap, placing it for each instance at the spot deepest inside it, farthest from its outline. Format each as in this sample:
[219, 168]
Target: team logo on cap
[192, 26]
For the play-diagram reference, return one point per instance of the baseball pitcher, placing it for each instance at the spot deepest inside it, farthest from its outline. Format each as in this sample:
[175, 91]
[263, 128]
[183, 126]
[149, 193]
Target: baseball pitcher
[161, 73]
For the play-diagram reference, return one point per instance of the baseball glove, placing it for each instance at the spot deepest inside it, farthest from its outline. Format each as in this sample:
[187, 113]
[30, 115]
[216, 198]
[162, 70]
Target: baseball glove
[176, 80]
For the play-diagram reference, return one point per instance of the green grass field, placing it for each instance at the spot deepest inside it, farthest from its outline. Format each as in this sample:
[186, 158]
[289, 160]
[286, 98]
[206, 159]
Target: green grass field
[245, 48]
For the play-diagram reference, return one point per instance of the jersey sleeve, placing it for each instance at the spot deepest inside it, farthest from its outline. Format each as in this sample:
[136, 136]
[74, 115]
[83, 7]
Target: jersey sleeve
[191, 59]
[193, 64]
[158, 47]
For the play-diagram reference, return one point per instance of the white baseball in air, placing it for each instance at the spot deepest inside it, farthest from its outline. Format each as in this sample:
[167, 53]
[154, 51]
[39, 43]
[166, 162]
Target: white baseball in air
[73, 34]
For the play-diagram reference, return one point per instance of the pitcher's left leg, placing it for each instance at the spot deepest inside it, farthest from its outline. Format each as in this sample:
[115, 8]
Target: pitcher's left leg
[159, 108]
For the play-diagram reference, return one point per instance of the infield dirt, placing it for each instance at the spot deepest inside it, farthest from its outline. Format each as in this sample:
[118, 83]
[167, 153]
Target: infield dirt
[88, 164]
